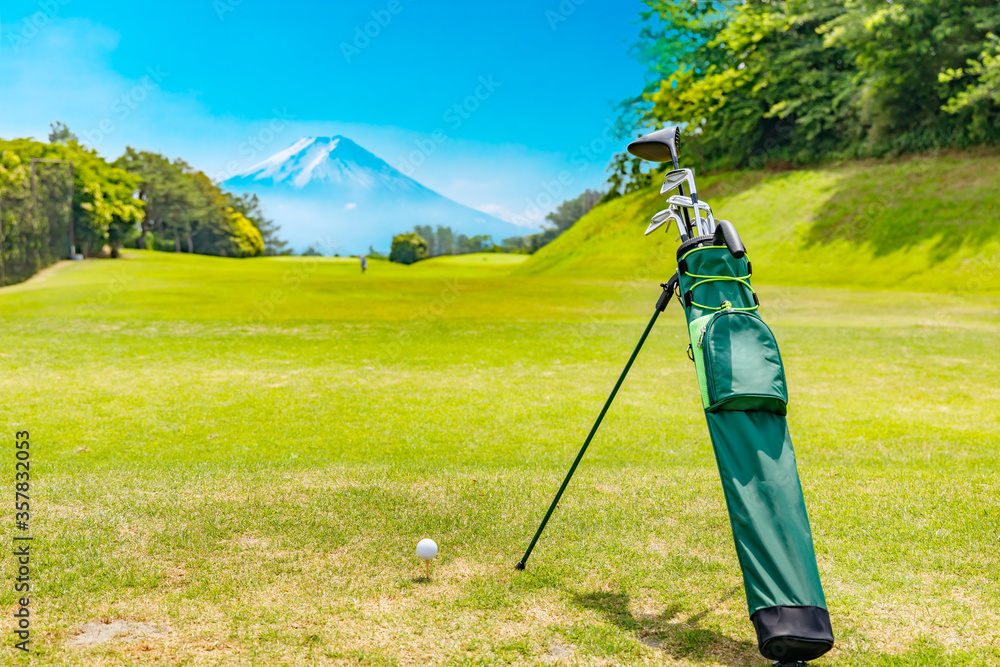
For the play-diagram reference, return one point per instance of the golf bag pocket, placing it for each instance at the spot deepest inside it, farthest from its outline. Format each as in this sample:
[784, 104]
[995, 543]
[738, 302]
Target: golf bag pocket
[740, 364]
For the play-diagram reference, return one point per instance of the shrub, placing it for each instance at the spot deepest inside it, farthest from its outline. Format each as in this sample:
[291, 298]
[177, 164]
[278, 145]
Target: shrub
[408, 248]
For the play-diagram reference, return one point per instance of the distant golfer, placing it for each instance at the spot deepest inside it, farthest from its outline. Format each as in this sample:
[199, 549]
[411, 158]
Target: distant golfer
[364, 263]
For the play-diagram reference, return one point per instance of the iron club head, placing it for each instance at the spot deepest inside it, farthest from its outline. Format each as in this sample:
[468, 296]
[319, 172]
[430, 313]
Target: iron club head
[677, 177]
[653, 226]
[663, 217]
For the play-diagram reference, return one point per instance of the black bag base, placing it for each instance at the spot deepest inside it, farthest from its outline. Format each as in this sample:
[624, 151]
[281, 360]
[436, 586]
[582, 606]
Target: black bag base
[793, 634]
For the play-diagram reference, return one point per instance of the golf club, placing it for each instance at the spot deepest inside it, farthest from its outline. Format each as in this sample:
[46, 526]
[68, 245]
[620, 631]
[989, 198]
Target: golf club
[676, 178]
[662, 146]
[675, 214]
[654, 225]
[703, 228]
[665, 216]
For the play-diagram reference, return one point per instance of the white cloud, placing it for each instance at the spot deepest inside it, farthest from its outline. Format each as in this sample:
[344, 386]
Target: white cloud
[350, 205]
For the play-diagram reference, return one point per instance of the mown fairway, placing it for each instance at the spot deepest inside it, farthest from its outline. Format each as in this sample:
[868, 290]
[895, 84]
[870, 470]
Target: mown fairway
[245, 452]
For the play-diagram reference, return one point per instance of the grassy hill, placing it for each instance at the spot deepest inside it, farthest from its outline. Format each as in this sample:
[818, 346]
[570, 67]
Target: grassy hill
[923, 223]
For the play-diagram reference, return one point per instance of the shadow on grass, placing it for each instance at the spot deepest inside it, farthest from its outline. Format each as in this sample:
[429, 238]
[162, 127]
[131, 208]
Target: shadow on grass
[671, 632]
[896, 206]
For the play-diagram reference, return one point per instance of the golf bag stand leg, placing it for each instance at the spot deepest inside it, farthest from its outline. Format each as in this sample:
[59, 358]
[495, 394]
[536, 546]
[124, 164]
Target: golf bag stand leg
[745, 397]
[661, 305]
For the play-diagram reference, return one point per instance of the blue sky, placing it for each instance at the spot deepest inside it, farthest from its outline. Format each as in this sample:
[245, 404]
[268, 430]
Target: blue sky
[226, 83]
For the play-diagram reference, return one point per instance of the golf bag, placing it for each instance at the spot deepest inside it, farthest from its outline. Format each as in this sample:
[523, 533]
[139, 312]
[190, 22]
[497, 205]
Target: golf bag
[745, 397]
[744, 394]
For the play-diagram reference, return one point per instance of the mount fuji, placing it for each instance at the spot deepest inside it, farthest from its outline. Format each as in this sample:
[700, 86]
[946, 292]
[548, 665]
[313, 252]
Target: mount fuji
[333, 195]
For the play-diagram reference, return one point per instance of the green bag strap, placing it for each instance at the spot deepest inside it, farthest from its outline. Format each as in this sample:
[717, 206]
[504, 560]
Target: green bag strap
[702, 280]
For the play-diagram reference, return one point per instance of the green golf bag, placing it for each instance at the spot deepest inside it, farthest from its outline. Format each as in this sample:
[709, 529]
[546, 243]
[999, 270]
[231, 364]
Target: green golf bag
[745, 397]
[744, 393]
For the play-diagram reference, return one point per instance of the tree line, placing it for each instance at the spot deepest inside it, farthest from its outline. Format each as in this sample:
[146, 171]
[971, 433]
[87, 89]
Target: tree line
[425, 241]
[61, 190]
[770, 82]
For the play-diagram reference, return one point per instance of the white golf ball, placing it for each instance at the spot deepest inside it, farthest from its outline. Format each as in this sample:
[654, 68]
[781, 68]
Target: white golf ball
[427, 548]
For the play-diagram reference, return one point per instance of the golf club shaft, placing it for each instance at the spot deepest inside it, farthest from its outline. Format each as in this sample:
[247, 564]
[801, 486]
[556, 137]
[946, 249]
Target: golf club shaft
[600, 417]
[687, 216]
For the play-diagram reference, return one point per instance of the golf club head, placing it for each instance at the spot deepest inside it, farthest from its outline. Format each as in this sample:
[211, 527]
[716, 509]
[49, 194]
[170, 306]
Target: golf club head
[675, 178]
[659, 146]
[653, 226]
[702, 226]
[685, 202]
[662, 218]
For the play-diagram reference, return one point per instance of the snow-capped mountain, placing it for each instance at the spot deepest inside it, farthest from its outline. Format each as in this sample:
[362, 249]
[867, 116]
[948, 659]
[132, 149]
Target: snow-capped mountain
[333, 195]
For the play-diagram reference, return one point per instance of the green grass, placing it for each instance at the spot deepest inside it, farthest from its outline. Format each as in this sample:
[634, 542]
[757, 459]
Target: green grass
[924, 223]
[247, 451]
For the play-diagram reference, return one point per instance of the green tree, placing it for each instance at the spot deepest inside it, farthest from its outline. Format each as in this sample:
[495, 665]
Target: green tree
[445, 240]
[572, 210]
[218, 228]
[245, 238]
[190, 212]
[15, 191]
[564, 217]
[759, 82]
[900, 49]
[249, 206]
[426, 232]
[60, 134]
[105, 206]
[168, 195]
[984, 72]
[515, 244]
[408, 248]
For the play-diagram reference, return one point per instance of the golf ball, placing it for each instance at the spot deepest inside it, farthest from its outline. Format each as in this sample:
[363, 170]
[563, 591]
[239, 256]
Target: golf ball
[427, 548]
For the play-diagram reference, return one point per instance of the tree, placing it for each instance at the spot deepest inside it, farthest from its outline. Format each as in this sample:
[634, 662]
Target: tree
[984, 71]
[15, 191]
[218, 228]
[168, 195]
[408, 248]
[445, 240]
[60, 134]
[572, 210]
[115, 220]
[757, 82]
[564, 217]
[245, 237]
[900, 50]
[426, 232]
[479, 243]
[188, 209]
[105, 207]
[249, 206]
